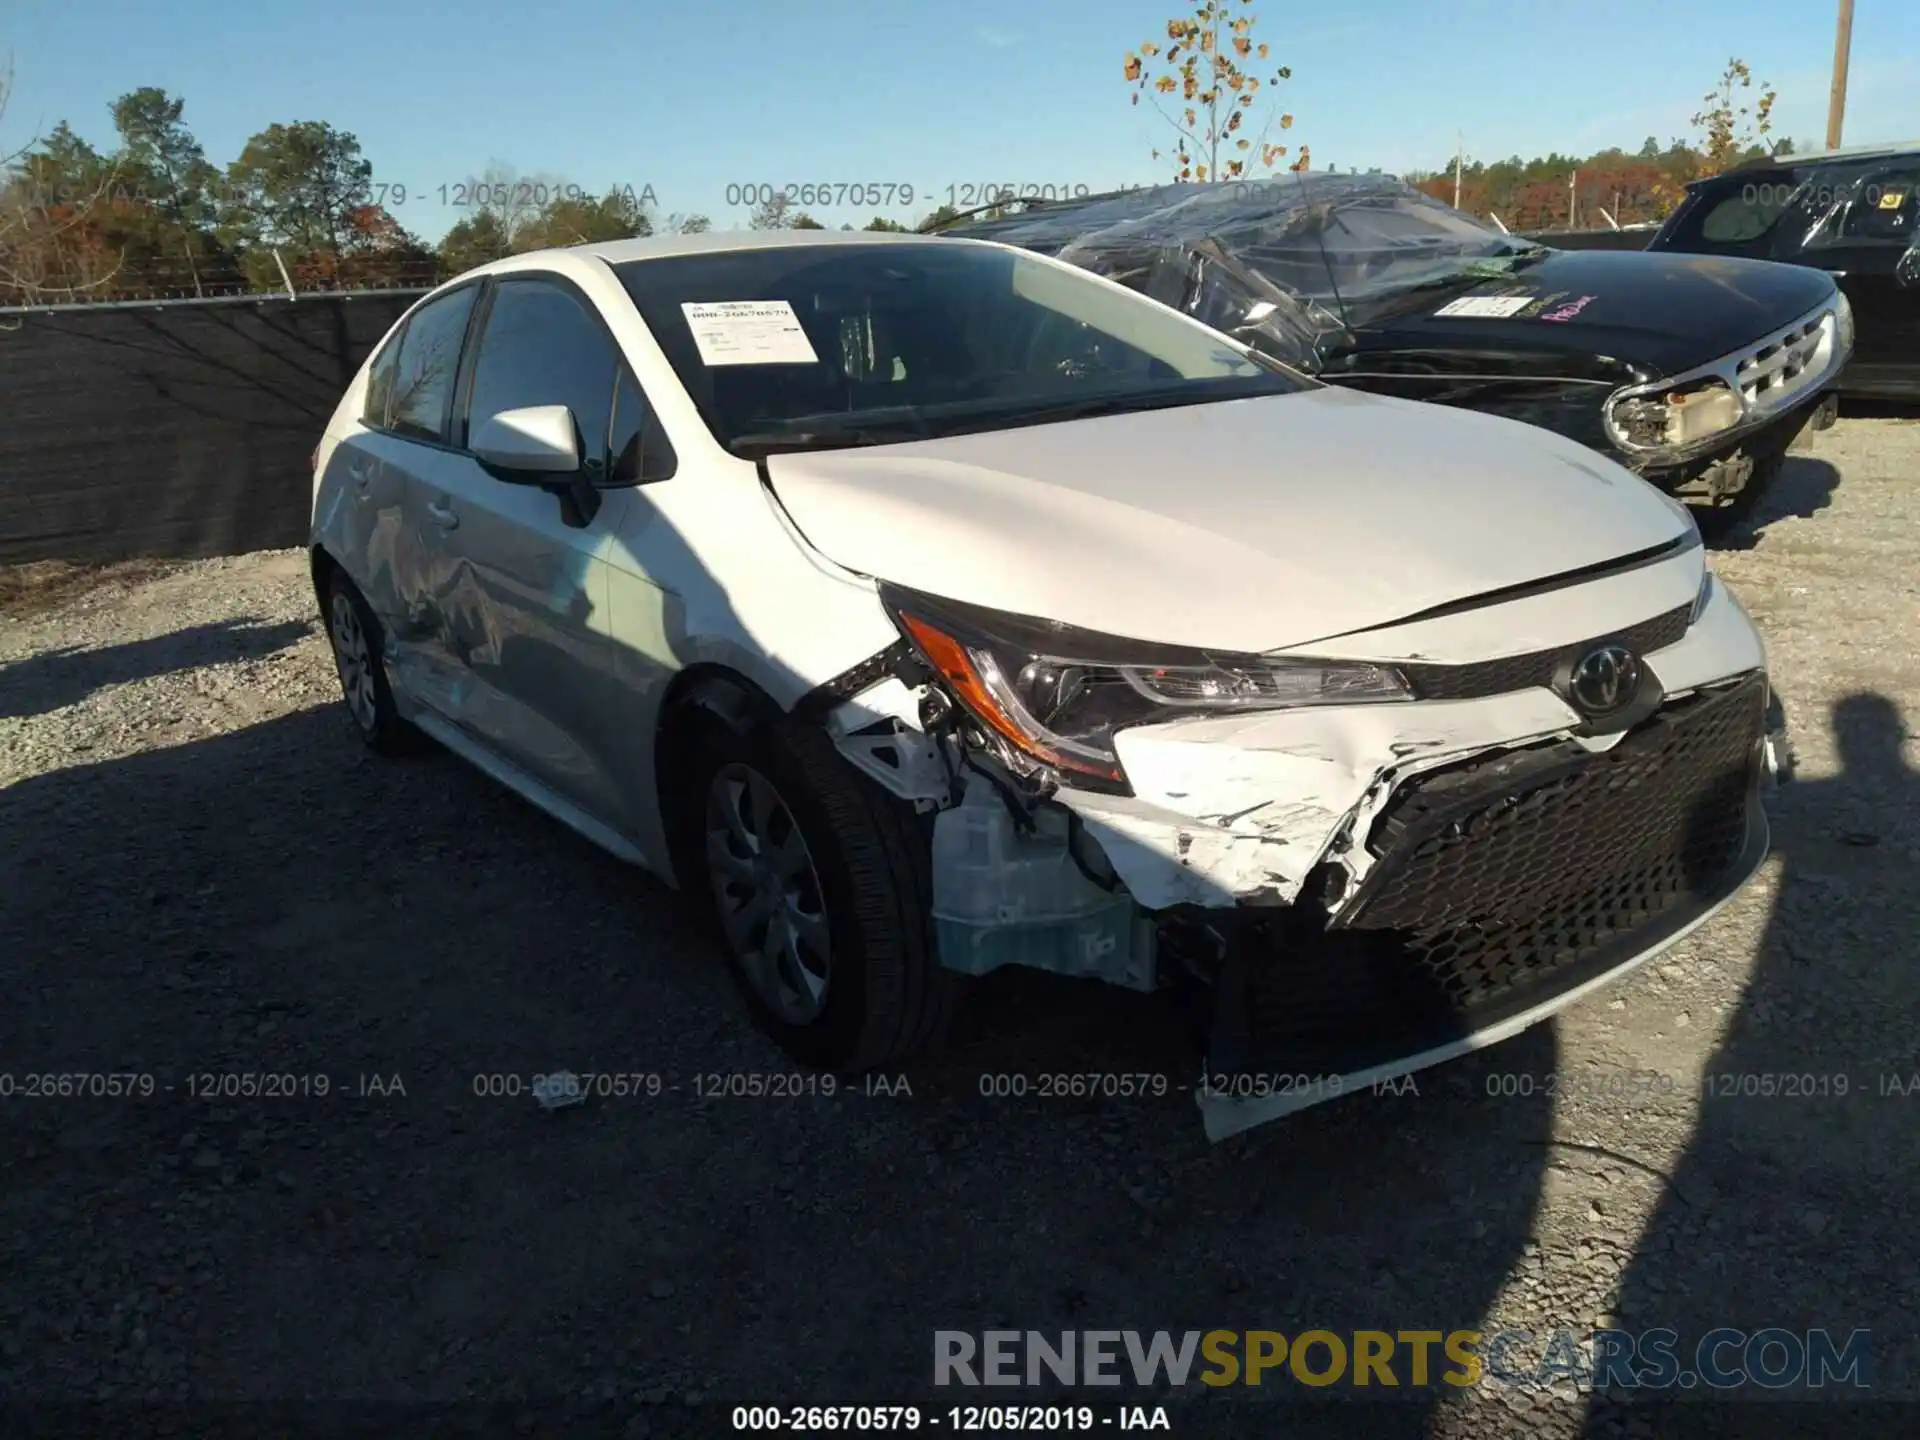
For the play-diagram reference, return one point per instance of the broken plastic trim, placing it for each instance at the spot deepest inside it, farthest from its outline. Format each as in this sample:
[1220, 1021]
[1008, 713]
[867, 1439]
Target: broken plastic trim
[897, 660]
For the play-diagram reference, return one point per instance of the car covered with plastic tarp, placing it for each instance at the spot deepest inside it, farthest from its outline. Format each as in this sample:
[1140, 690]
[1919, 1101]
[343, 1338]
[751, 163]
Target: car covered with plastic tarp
[1696, 372]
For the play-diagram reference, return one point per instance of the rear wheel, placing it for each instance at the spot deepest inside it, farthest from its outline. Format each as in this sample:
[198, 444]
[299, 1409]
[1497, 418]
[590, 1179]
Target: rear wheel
[817, 885]
[357, 648]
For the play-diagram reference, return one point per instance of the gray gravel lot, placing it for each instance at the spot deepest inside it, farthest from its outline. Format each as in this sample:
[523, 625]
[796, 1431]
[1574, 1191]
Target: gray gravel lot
[201, 873]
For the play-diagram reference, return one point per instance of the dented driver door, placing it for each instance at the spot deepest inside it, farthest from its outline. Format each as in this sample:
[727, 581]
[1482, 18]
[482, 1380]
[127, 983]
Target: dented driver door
[520, 581]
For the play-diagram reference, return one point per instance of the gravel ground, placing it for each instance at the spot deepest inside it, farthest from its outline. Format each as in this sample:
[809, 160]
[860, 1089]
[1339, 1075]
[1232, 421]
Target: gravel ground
[204, 875]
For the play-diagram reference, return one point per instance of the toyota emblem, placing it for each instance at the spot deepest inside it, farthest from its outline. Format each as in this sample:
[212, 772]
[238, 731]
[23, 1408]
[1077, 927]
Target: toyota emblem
[1603, 680]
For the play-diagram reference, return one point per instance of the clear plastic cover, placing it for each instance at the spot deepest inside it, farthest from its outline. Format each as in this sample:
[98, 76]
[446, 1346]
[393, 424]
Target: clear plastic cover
[1285, 264]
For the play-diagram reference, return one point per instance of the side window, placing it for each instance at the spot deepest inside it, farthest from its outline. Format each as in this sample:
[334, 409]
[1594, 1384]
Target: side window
[542, 346]
[1742, 217]
[380, 384]
[638, 446]
[428, 359]
[1885, 210]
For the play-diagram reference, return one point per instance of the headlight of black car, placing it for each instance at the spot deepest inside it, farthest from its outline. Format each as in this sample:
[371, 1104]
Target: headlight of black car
[1674, 419]
[1059, 695]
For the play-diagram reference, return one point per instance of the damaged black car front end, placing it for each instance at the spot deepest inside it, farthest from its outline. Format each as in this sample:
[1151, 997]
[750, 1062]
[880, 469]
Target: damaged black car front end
[1695, 372]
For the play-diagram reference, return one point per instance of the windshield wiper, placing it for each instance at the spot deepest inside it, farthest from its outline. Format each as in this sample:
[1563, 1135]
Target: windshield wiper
[1096, 405]
[757, 444]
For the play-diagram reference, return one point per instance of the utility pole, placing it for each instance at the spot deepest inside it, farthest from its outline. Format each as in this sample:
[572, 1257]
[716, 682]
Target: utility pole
[1573, 219]
[1459, 159]
[1837, 100]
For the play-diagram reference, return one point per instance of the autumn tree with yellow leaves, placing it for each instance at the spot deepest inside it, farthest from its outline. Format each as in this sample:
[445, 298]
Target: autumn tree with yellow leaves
[1202, 83]
[1729, 128]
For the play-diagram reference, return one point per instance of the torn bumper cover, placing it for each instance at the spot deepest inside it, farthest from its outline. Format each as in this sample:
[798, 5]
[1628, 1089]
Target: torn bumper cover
[1502, 889]
[1368, 890]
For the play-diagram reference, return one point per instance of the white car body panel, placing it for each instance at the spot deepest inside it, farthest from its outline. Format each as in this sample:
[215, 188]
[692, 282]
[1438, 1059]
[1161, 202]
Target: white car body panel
[1327, 523]
[1062, 521]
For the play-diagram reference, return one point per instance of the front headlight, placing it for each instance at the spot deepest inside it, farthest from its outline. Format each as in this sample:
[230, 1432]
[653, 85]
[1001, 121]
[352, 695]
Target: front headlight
[1674, 419]
[1843, 323]
[1060, 695]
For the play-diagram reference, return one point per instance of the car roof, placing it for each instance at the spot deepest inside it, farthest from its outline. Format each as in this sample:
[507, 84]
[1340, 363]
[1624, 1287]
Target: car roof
[1816, 157]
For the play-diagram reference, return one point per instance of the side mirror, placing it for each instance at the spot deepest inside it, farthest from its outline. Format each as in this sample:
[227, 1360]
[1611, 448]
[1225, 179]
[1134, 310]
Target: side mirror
[539, 445]
[536, 441]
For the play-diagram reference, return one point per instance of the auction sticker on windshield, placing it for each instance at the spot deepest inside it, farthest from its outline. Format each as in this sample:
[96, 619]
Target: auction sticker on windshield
[1486, 307]
[748, 332]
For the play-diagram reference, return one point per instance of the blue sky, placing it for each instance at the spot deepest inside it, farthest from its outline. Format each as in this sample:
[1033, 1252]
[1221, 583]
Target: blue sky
[691, 99]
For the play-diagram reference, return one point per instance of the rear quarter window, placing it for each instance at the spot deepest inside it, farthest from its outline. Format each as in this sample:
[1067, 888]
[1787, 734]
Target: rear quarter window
[379, 403]
[1741, 217]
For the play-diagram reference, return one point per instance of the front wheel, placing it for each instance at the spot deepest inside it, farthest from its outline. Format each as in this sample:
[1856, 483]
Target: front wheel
[818, 886]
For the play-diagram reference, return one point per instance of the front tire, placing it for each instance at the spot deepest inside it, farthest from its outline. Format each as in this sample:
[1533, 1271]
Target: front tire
[818, 886]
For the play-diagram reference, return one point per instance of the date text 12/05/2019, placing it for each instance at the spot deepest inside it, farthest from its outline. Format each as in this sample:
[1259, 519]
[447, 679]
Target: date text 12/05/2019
[510, 195]
[198, 1085]
[814, 1419]
[880, 193]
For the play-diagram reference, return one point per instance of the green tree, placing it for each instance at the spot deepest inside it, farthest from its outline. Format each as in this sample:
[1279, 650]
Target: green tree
[773, 213]
[1198, 84]
[683, 224]
[880, 222]
[573, 218]
[804, 221]
[471, 242]
[297, 188]
[160, 154]
[938, 219]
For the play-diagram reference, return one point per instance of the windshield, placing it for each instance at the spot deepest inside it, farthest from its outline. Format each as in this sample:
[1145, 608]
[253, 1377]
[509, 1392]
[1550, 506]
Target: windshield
[823, 346]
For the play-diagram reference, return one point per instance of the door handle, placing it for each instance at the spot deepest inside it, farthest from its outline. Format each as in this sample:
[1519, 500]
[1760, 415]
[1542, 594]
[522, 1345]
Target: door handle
[443, 515]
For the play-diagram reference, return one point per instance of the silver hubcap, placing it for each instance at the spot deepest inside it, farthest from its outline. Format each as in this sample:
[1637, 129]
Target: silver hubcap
[768, 893]
[355, 662]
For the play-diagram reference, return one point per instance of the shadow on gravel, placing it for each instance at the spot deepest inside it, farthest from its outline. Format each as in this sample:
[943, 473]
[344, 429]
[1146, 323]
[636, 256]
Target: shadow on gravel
[277, 905]
[54, 679]
[1790, 1209]
[1802, 489]
[1863, 408]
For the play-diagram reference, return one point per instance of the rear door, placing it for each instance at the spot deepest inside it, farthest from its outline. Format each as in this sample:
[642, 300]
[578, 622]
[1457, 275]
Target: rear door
[384, 530]
[521, 593]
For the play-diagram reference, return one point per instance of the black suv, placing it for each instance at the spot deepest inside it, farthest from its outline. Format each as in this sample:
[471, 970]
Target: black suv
[1853, 213]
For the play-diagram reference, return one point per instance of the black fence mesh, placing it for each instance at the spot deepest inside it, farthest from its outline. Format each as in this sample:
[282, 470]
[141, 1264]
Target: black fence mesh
[171, 431]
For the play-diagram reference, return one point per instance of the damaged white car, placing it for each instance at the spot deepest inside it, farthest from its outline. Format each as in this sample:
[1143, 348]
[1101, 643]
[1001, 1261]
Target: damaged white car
[926, 606]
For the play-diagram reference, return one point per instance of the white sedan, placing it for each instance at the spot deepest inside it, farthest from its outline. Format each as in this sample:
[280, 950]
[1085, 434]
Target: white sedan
[925, 606]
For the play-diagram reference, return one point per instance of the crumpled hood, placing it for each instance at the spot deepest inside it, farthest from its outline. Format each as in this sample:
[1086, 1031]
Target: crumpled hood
[1248, 525]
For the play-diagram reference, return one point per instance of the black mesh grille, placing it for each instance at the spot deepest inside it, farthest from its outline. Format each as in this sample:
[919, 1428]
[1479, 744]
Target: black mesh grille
[1521, 672]
[1504, 881]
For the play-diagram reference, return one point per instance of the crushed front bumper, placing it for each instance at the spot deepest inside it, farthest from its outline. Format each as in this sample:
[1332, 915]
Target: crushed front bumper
[1503, 889]
[1365, 890]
